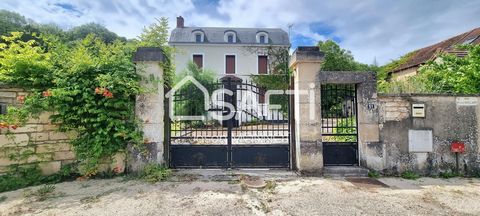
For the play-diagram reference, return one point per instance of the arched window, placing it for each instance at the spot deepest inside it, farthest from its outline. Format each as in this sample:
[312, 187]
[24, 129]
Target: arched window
[230, 36]
[262, 37]
[198, 36]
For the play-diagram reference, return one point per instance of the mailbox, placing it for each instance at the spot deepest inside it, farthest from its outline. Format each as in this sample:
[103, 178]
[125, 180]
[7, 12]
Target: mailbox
[457, 147]
[418, 110]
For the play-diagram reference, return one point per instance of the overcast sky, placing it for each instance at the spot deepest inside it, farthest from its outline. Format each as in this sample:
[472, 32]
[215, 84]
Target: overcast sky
[380, 29]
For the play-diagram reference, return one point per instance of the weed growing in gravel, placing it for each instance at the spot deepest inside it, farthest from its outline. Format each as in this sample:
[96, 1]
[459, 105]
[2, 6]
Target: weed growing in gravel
[409, 175]
[373, 174]
[270, 186]
[3, 198]
[448, 174]
[154, 173]
[41, 194]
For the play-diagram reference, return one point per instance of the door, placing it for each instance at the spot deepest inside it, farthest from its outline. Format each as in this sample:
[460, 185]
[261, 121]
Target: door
[339, 124]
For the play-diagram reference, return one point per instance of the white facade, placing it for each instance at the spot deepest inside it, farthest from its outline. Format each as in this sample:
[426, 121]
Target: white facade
[214, 55]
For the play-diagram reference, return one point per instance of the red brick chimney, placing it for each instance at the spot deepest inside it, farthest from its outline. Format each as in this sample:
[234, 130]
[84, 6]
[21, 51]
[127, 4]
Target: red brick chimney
[180, 22]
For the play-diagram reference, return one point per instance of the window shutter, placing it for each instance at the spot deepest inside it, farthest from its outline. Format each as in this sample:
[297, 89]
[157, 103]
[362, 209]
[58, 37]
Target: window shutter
[230, 64]
[262, 65]
[198, 60]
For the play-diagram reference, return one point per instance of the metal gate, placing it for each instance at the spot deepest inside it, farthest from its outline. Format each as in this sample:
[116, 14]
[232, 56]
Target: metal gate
[339, 124]
[257, 137]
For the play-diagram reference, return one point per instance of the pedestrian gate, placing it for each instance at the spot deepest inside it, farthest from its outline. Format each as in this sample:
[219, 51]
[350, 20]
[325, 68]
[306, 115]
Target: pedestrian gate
[339, 124]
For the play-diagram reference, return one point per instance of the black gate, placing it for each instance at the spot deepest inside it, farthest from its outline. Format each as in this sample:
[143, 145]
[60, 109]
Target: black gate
[256, 137]
[339, 124]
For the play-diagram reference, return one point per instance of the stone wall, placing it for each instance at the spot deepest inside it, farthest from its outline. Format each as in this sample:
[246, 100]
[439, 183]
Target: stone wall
[36, 142]
[449, 118]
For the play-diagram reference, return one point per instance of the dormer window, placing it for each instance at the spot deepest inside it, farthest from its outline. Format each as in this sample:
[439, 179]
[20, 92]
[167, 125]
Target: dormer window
[230, 37]
[198, 36]
[262, 37]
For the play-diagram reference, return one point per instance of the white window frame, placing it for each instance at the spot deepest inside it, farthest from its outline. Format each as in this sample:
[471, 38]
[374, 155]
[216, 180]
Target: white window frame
[268, 66]
[225, 63]
[228, 33]
[262, 34]
[202, 36]
[203, 59]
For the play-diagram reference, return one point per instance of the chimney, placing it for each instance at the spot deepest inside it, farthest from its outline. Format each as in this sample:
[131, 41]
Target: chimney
[180, 22]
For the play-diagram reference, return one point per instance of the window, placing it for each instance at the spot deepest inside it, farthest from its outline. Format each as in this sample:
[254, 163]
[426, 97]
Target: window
[230, 36]
[198, 38]
[230, 64]
[262, 64]
[198, 60]
[262, 39]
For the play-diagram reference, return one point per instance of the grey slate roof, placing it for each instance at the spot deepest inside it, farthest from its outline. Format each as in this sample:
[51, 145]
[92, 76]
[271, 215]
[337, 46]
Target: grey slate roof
[215, 35]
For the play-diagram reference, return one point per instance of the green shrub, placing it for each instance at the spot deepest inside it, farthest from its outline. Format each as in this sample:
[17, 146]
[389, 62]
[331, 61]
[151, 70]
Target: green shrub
[448, 174]
[23, 176]
[154, 173]
[373, 174]
[409, 175]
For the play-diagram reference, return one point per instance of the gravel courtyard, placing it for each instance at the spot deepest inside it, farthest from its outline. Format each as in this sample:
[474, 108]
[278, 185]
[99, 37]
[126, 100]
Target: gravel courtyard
[191, 195]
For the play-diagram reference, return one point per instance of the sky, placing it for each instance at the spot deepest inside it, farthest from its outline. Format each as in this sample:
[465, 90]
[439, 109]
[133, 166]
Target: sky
[380, 30]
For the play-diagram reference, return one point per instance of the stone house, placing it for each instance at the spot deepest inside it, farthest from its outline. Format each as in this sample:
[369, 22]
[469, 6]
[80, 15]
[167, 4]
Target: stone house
[225, 50]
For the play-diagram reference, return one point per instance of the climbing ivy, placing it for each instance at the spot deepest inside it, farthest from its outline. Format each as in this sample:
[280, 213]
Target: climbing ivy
[89, 86]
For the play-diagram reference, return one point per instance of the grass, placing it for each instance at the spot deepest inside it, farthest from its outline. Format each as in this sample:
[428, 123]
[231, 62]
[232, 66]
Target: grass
[410, 175]
[3, 198]
[41, 194]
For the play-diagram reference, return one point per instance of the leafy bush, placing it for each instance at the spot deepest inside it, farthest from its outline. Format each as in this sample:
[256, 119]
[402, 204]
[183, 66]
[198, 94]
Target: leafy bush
[446, 74]
[154, 173]
[90, 87]
[24, 176]
[192, 98]
[373, 174]
[409, 175]
[448, 174]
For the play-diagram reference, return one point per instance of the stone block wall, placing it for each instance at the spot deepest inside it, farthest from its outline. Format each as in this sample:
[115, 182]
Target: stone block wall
[39, 143]
[36, 142]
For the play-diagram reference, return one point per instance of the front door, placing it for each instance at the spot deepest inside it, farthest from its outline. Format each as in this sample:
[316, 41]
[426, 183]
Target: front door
[339, 124]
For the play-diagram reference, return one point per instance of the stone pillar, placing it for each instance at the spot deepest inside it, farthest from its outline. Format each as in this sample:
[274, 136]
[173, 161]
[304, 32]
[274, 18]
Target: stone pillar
[306, 65]
[149, 107]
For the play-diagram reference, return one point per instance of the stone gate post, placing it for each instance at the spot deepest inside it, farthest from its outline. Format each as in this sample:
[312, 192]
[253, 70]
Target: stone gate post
[149, 107]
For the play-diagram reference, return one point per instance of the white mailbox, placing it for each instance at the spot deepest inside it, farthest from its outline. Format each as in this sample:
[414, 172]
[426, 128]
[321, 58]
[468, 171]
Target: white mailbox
[418, 110]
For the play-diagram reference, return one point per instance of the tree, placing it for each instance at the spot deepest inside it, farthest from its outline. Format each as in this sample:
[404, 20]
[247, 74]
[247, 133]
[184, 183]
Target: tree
[338, 59]
[156, 35]
[81, 32]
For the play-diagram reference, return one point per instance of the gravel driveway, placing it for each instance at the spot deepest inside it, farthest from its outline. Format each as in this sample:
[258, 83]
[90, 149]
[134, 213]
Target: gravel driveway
[189, 195]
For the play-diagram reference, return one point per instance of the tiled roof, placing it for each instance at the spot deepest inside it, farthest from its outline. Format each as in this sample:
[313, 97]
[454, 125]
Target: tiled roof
[427, 53]
[215, 35]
